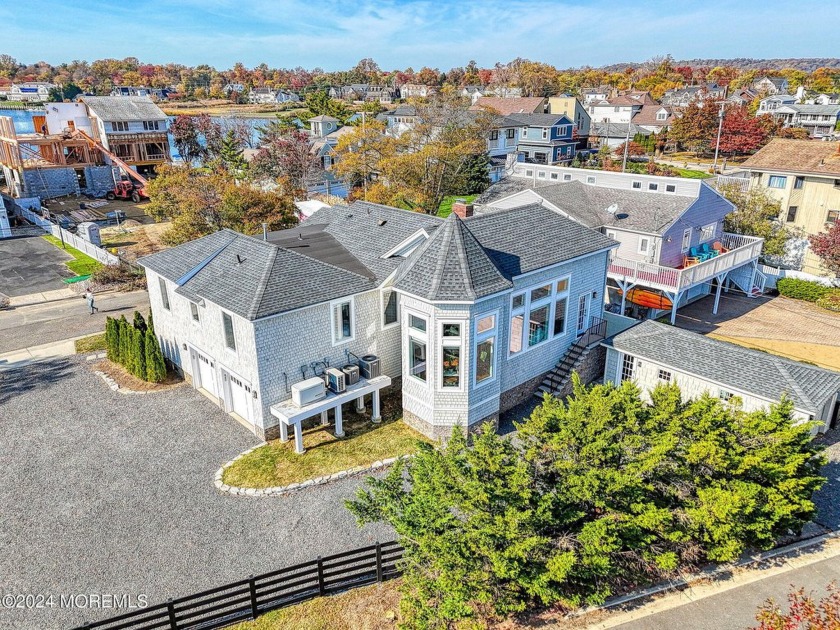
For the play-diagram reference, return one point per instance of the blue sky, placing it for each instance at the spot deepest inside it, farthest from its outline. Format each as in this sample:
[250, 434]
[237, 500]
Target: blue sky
[399, 33]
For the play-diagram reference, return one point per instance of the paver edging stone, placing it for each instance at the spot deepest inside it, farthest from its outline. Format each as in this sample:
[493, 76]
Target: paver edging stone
[274, 491]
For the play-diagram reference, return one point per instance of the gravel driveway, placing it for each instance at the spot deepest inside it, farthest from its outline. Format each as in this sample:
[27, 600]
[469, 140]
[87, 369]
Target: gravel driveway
[103, 492]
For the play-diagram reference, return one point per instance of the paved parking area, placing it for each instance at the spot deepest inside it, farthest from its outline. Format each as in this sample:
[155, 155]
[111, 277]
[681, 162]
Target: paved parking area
[104, 492]
[31, 265]
[770, 318]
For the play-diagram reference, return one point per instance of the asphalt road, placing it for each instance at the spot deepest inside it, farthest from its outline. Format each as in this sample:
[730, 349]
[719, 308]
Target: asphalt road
[736, 608]
[31, 265]
[47, 322]
[107, 493]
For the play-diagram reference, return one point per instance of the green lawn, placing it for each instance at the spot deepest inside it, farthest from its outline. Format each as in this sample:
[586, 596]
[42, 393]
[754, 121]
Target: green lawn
[446, 205]
[691, 173]
[93, 343]
[82, 264]
[277, 464]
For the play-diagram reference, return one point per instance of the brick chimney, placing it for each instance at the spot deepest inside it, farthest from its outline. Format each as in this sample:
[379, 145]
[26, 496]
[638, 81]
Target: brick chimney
[462, 208]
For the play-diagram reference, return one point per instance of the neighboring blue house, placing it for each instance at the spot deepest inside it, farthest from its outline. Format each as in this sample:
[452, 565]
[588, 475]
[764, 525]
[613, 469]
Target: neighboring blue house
[545, 138]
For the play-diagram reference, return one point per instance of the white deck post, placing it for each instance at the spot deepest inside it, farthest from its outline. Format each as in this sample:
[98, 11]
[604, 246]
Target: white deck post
[721, 277]
[284, 432]
[375, 402]
[339, 425]
[325, 419]
[298, 439]
[360, 404]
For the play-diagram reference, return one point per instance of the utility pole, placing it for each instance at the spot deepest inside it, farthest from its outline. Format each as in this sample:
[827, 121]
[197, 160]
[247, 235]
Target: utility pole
[626, 147]
[717, 144]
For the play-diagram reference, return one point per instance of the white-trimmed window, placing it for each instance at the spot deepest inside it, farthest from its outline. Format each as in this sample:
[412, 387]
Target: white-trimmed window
[545, 133]
[417, 345]
[644, 245]
[653, 186]
[670, 188]
[389, 308]
[567, 177]
[544, 309]
[194, 312]
[637, 185]
[665, 375]
[628, 365]
[485, 347]
[342, 320]
[708, 232]
[777, 181]
[164, 294]
[510, 134]
[725, 395]
[524, 132]
[227, 327]
[451, 355]
[590, 179]
[686, 240]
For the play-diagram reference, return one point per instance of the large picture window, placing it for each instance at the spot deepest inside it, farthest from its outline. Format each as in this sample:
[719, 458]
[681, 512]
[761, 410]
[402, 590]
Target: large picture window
[540, 313]
[164, 294]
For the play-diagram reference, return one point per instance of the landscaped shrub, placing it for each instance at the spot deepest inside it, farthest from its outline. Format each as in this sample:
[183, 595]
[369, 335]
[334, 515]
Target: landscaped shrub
[802, 289]
[600, 493]
[155, 365]
[135, 347]
[830, 301]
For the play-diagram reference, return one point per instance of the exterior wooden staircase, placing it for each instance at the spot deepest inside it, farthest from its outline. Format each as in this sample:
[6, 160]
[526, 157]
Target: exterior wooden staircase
[557, 378]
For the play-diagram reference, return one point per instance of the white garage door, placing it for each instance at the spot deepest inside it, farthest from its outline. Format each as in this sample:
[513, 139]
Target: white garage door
[237, 396]
[206, 374]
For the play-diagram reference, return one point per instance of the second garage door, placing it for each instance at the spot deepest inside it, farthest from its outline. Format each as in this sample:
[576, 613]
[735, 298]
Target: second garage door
[237, 395]
[206, 374]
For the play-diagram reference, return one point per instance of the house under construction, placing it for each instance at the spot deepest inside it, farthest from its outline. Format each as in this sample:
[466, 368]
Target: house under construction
[79, 148]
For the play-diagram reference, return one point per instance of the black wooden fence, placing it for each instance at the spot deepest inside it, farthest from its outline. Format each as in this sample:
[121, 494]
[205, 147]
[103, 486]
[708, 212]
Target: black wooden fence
[247, 599]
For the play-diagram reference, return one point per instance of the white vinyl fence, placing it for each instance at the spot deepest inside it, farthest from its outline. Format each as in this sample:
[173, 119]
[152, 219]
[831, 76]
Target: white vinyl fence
[97, 253]
[774, 274]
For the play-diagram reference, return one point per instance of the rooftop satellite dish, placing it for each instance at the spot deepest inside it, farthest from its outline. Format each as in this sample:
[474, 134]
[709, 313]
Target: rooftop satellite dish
[612, 208]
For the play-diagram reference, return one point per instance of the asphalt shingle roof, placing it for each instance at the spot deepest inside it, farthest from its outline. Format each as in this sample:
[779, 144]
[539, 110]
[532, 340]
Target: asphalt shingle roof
[797, 156]
[586, 204]
[758, 373]
[508, 106]
[250, 277]
[451, 265]
[369, 230]
[124, 108]
[531, 237]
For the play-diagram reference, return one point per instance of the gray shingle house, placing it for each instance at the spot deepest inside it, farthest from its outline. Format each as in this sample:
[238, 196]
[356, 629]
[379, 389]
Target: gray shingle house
[651, 353]
[470, 312]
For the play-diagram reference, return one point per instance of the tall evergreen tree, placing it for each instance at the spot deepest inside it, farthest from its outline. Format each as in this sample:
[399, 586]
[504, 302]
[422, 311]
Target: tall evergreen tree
[155, 364]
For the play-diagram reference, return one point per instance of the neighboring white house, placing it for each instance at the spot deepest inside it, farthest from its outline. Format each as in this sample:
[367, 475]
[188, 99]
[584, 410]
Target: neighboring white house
[265, 95]
[33, 91]
[770, 85]
[652, 353]
[770, 104]
[620, 109]
[819, 120]
[670, 231]
[471, 312]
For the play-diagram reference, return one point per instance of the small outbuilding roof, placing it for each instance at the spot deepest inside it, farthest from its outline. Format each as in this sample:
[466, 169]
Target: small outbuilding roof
[753, 372]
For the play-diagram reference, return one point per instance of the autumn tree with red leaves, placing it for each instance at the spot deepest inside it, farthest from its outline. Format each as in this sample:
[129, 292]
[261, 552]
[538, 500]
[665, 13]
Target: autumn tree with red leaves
[826, 246]
[805, 613]
[741, 133]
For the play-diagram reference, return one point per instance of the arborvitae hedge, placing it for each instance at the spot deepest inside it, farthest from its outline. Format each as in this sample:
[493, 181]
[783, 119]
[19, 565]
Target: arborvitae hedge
[135, 347]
